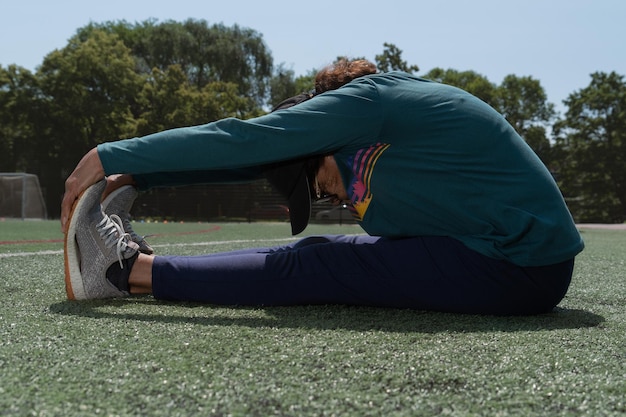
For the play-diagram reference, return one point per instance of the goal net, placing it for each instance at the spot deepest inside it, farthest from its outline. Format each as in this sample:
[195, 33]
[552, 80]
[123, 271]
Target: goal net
[21, 197]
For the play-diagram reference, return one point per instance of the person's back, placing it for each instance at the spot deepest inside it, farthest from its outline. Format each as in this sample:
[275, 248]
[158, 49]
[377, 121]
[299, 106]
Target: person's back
[445, 163]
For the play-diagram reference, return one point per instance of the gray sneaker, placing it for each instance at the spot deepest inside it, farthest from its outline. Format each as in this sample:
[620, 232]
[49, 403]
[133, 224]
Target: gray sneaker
[119, 202]
[93, 243]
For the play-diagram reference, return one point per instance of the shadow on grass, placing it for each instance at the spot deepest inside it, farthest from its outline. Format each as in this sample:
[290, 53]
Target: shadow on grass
[326, 317]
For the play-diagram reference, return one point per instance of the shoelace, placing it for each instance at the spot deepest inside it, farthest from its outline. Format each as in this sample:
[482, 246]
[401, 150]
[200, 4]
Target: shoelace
[112, 232]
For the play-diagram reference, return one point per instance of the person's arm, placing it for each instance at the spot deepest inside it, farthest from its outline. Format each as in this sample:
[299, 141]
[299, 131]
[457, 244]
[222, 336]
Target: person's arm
[348, 117]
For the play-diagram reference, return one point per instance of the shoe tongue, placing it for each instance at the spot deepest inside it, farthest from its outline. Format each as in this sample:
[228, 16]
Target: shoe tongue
[118, 276]
[130, 249]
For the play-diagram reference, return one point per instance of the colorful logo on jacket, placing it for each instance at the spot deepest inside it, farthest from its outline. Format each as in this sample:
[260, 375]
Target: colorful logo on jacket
[363, 163]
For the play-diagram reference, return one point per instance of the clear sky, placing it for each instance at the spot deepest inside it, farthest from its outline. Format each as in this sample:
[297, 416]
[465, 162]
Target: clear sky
[558, 42]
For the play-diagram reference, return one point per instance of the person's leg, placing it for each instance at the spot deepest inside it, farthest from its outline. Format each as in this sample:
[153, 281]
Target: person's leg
[140, 278]
[430, 273]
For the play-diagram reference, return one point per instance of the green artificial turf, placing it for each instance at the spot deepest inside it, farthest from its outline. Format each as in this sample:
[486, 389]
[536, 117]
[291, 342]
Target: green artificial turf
[143, 357]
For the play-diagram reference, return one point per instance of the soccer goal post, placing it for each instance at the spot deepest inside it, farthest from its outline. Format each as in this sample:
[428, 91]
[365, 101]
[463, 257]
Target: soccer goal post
[21, 197]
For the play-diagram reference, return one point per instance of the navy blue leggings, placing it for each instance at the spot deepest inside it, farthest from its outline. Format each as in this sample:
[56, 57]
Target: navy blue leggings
[425, 273]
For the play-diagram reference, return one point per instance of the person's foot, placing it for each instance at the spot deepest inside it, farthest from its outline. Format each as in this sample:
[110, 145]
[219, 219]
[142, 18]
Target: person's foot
[98, 253]
[120, 202]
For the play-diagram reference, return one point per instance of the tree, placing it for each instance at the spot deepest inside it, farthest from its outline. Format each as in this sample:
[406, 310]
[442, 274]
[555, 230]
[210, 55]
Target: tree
[18, 95]
[391, 60]
[169, 101]
[284, 84]
[591, 141]
[204, 53]
[89, 91]
[306, 82]
[470, 81]
[523, 102]
[91, 88]
[117, 80]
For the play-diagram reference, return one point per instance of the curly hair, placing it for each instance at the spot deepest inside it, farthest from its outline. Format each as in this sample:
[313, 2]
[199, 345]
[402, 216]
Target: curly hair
[342, 72]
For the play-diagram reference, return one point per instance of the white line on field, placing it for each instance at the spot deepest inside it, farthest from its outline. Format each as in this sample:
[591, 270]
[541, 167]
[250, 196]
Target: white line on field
[43, 252]
[164, 245]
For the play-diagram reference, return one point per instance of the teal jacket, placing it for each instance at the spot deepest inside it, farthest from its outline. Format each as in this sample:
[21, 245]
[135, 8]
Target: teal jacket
[417, 158]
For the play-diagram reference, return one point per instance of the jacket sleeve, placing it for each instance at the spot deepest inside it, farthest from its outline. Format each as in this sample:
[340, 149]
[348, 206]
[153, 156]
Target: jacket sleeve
[349, 116]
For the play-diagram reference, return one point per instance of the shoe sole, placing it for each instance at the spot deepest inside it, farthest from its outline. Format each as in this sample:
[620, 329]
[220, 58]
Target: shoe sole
[74, 286]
